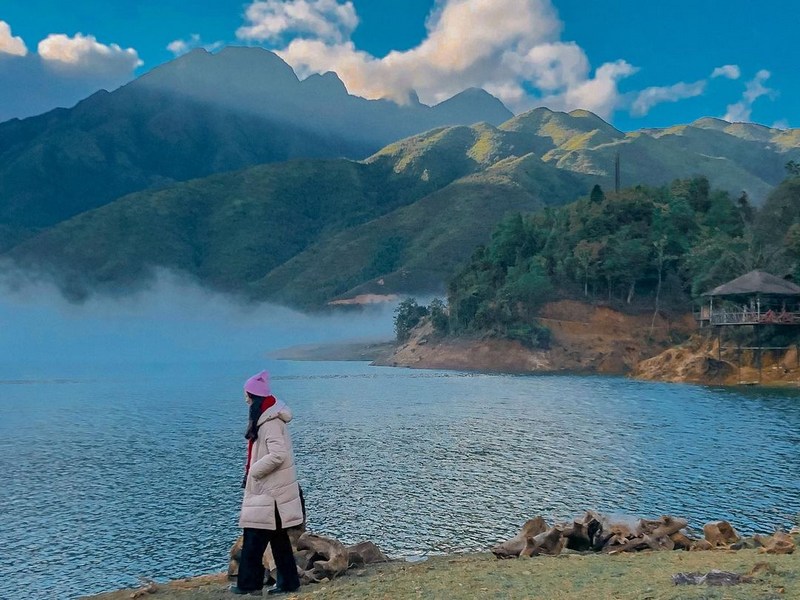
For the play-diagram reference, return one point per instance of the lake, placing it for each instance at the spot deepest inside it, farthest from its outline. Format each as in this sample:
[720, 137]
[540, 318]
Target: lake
[125, 460]
[136, 472]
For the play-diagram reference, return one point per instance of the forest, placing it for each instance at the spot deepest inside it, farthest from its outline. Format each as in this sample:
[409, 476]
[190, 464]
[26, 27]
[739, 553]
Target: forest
[642, 249]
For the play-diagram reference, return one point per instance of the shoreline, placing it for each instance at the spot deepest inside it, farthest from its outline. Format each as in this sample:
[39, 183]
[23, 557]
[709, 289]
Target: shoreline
[475, 356]
[585, 340]
[478, 576]
[609, 554]
[354, 350]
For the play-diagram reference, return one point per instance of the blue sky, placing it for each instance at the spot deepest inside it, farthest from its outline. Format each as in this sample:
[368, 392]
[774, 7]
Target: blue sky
[637, 64]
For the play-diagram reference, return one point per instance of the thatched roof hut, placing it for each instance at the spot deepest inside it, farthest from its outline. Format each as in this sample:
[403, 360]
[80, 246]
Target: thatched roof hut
[756, 283]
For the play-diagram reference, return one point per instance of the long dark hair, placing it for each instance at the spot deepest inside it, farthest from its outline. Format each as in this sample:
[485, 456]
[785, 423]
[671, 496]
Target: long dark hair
[256, 410]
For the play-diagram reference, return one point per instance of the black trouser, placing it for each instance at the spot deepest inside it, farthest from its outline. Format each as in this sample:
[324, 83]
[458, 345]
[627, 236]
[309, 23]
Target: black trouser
[251, 563]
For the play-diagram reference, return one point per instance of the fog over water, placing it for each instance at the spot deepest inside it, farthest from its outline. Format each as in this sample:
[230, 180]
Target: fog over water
[172, 321]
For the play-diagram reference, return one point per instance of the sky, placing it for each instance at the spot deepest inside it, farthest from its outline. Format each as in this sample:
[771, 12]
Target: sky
[636, 64]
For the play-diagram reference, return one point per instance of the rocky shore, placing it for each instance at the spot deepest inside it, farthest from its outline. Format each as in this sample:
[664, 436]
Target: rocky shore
[699, 361]
[590, 339]
[597, 557]
[584, 339]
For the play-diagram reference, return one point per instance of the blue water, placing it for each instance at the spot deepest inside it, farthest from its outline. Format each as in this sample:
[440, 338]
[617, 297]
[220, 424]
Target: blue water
[125, 470]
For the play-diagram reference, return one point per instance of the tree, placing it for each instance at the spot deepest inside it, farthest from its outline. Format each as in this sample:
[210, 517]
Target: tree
[626, 261]
[587, 254]
[529, 286]
[660, 260]
[793, 168]
[507, 239]
[597, 196]
[745, 209]
[438, 315]
[696, 191]
[792, 245]
[407, 315]
[792, 241]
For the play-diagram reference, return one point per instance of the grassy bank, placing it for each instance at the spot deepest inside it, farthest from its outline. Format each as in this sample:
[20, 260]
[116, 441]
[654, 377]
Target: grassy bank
[641, 576]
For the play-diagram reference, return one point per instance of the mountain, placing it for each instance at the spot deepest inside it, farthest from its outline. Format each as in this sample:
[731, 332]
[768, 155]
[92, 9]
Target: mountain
[734, 156]
[219, 166]
[304, 232]
[197, 115]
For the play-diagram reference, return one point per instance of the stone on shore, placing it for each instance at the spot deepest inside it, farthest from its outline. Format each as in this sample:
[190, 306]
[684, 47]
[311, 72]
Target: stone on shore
[720, 533]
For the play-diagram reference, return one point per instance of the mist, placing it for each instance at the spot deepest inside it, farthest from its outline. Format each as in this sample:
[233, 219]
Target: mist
[171, 321]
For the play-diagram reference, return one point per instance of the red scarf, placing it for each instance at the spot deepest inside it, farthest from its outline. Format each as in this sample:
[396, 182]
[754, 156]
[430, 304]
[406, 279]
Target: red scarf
[266, 404]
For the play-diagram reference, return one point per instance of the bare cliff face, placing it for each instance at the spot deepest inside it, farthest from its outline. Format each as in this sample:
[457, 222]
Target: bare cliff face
[585, 339]
[699, 361]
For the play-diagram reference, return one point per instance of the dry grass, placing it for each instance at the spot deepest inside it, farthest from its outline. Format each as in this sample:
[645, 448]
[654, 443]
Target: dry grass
[643, 576]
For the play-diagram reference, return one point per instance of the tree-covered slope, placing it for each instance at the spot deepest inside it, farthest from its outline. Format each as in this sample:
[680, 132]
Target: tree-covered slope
[304, 232]
[68, 161]
[400, 221]
[227, 230]
[643, 248]
[417, 247]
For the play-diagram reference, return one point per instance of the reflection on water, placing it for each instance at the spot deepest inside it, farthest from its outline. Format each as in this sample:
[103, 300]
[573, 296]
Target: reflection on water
[105, 476]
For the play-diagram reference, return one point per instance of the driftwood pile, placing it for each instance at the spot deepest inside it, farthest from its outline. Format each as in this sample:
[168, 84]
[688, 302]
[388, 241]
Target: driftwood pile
[595, 532]
[318, 558]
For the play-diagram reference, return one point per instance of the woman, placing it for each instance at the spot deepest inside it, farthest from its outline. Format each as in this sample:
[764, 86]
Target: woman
[271, 493]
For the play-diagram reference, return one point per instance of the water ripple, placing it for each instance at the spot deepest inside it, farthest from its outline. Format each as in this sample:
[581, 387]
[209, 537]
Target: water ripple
[127, 475]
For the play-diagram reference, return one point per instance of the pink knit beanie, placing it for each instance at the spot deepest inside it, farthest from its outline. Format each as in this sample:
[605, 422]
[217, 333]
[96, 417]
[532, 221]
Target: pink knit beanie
[258, 385]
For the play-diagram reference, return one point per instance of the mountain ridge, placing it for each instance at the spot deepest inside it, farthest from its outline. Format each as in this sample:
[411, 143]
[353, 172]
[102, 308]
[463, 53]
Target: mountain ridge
[199, 114]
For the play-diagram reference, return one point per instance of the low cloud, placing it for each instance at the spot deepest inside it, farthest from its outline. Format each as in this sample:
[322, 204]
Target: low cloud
[754, 89]
[272, 20]
[10, 44]
[728, 71]
[649, 97]
[63, 71]
[172, 319]
[179, 47]
[511, 48]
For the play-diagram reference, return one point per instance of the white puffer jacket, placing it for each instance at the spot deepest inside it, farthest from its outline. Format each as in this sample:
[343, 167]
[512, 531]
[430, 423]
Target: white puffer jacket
[272, 478]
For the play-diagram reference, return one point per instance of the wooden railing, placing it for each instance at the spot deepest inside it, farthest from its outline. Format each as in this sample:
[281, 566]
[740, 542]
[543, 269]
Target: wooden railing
[750, 318]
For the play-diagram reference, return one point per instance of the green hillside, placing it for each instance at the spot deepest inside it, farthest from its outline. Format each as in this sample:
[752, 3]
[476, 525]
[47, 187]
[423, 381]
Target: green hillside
[734, 157]
[305, 232]
[418, 246]
[226, 230]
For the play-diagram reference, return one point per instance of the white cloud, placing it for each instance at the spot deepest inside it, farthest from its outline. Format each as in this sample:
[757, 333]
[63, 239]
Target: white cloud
[649, 97]
[179, 47]
[781, 124]
[86, 53]
[270, 20]
[509, 47]
[63, 71]
[10, 44]
[754, 89]
[729, 71]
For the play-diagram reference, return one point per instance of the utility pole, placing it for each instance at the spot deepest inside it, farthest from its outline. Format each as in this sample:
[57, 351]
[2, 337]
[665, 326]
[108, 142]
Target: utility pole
[616, 173]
